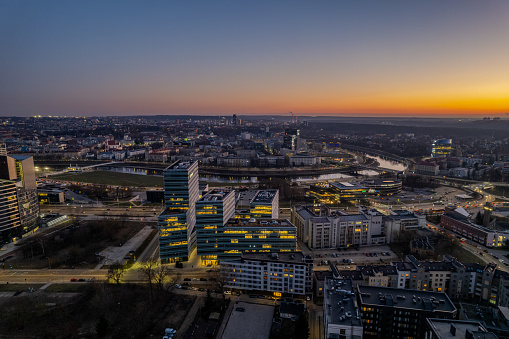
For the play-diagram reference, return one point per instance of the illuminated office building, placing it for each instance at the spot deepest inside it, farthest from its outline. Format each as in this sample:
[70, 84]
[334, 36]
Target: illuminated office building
[265, 204]
[18, 187]
[213, 211]
[441, 148]
[177, 222]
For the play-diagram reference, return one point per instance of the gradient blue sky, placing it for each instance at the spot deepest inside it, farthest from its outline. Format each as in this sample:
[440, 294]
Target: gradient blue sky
[254, 57]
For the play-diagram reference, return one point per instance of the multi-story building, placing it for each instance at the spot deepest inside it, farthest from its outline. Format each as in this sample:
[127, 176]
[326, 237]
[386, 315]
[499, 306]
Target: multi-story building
[339, 229]
[452, 329]
[338, 191]
[288, 273]
[213, 211]
[303, 159]
[10, 222]
[341, 314]
[401, 220]
[398, 313]
[19, 187]
[441, 148]
[177, 222]
[290, 138]
[265, 204]
[255, 235]
[459, 223]
[427, 168]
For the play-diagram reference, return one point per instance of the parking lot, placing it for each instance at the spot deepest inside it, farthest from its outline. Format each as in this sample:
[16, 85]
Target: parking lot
[249, 321]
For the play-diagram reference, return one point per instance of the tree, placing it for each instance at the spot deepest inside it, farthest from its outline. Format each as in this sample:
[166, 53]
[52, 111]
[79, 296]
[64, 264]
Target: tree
[149, 272]
[164, 278]
[116, 271]
[220, 278]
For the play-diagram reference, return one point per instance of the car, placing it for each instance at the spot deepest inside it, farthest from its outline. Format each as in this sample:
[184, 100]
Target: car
[81, 280]
[203, 279]
[90, 279]
[74, 280]
[252, 296]
[201, 289]
[240, 309]
[178, 286]
[187, 279]
[17, 293]
[227, 292]
[170, 331]
[260, 297]
[195, 279]
[308, 298]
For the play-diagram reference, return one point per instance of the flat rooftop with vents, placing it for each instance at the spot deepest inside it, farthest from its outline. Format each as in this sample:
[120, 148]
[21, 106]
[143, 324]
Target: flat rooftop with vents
[405, 299]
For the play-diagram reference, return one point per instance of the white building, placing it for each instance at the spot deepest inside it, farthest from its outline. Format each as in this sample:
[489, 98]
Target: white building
[289, 272]
[304, 160]
[338, 229]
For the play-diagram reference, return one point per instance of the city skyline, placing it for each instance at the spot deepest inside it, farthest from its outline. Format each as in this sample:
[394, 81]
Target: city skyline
[329, 58]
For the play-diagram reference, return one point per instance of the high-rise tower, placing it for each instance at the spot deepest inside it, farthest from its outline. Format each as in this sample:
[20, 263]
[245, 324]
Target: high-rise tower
[177, 222]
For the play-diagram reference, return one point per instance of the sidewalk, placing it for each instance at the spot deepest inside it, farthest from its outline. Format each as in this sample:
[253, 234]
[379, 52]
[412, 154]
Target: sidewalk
[198, 303]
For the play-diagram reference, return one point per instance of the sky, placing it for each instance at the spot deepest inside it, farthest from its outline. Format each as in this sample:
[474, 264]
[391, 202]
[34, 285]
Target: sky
[365, 57]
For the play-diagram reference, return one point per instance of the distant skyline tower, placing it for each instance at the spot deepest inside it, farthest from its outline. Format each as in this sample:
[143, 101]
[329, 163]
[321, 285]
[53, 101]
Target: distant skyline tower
[234, 120]
[290, 138]
[177, 222]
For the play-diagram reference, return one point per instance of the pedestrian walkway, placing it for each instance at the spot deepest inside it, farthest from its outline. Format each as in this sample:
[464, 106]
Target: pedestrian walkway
[198, 303]
[226, 318]
[45, 286]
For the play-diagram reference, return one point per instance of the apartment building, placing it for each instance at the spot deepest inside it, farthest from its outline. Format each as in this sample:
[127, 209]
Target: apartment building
[280, 273]
[339, 229]
[341, 314]
[398, 313]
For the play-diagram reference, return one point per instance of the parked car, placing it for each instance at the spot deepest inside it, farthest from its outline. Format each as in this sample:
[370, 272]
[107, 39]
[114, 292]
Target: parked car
[240, 309]
[74, 280]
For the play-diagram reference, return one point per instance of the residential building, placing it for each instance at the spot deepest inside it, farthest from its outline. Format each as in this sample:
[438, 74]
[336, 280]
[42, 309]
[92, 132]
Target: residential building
[341, 314]
[452, 329]
[177, 222]
[339, 229]
[279, 273]
[398, 313]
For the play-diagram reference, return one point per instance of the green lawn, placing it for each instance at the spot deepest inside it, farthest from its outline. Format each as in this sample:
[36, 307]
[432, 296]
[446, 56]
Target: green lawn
[112, 178]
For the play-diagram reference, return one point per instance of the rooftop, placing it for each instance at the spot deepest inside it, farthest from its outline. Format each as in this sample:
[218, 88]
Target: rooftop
[407, 299]
[264, 196]
[215, 195]
[447, 328]
[289, 257]
[172, 211]
[339, 302]
[348, 185]
[179, 165]
[259, 223]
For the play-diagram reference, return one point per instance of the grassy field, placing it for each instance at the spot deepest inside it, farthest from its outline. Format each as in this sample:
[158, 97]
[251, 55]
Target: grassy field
[18, 287]
[112, 178]
[67, 288]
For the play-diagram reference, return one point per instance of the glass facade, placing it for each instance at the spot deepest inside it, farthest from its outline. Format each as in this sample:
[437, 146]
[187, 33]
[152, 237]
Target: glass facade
[177, 222]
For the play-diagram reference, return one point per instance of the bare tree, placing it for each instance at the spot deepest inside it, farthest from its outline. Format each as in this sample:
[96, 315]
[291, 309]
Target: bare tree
[164, 277]
[116, 271]
[220, 277]
[149, 272]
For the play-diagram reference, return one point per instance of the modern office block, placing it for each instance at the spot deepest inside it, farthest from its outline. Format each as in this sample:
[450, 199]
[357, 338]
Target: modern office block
[441, 148]
[18, 172]
[265, 204]
[177, 222]
[213, 211]
[10, 222]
